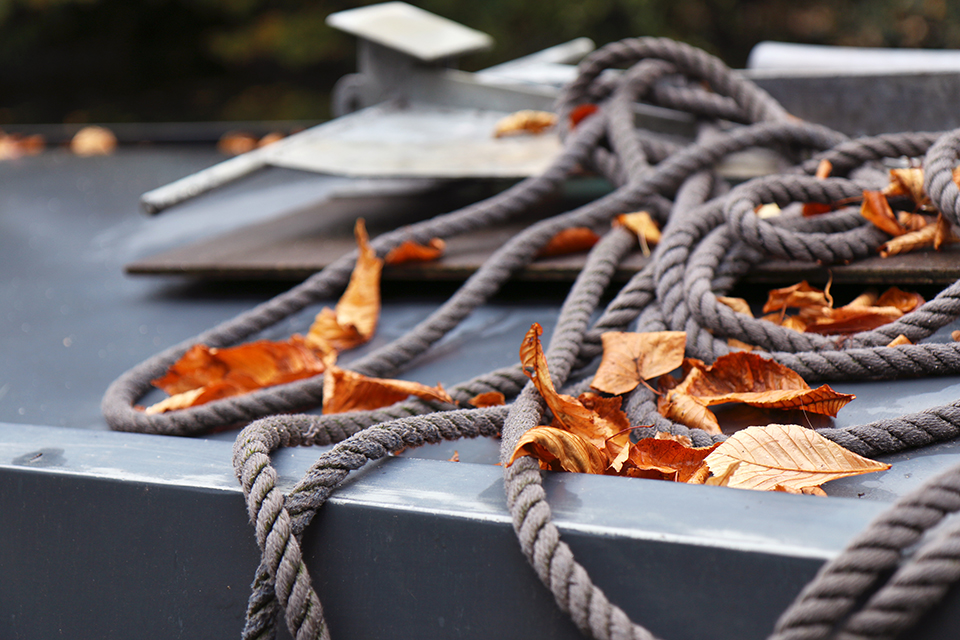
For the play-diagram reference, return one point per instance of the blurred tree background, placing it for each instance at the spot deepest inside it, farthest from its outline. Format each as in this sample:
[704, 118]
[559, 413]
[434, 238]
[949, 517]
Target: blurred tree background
[201, 60]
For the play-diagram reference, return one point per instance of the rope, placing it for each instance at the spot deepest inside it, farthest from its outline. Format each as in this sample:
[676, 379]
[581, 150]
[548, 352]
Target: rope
[711, 238]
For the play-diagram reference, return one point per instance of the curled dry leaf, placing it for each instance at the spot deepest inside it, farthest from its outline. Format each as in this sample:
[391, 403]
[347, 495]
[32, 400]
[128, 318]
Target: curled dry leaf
[455, 457]
[567, 241]
[349, 391]
[665, 459]
[877, 210]
[600, 424]
[912, 221]
[559, 450]
[824, 169]
[488, 399]
[354, 320]
[526, 121]
[933, 235]
[642, 224]
[801, 295]
[908, 182]
[629, 358]
[93, 141]
[788, 456]
[955, 335]
[899, 340]
[270, 138]
[410, 251]
[581, 112]
[747, 378]
[204, 374]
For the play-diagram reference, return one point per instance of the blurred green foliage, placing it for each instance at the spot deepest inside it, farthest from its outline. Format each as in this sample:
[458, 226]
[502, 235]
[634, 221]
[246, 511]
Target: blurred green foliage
[183, 60]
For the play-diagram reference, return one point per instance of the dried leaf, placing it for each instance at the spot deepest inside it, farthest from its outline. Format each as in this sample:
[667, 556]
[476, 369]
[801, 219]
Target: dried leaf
[810, 209]
[944, 233]
[572, 240]
[733, 343]
[270, 138]
[912, 221]
[899, 340]
[349, 391]
[747, 378]
[911, 241]
[410, 251]
[629, 358]
[665, 459]
[801, 295]
[568, 412]
[786, 455]
[904, 301]
[205, 373]
[455, 457]
[488, 399]
[764, 211]
[876, 209]
[908, 182]
[234, 143]
[559, 450]
[13, 146]
[824, 169]
[955, 335]
[852, 319]
[581, 112]
[354, 320]
[526, 121]
[93, 141]
[643, 225]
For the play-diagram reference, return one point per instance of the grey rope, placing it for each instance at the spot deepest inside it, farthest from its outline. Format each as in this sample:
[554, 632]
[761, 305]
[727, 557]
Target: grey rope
[710, 239]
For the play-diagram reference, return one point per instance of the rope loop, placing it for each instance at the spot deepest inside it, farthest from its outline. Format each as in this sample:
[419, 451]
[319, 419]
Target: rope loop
[711, 237]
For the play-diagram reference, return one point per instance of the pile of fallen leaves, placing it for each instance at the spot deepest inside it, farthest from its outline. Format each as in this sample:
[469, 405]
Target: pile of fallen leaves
[813, 310]
[591, 434]
[902, 209]
[205, 373]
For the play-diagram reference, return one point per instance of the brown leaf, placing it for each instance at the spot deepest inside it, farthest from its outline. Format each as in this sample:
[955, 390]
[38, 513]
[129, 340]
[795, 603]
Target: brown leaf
[810, 209]
[911, 241]
[629, 358]
[206, 373]
[572, 240]
[488, 399]
[852, 319]
[643, 225]
[93, 141]
[354, 320]
[912, 221]
[944, 234]
[526, 121]
[747, 378]
[904, 301]
[410, 251]
[568, 412]
[349, 391]
[955, 335]
[876, 209]
[899, 340]
[455, 457]
[665, 459]
[801, 295]
[581, 112]
[908, 182]
[786, 455]
[559, 450]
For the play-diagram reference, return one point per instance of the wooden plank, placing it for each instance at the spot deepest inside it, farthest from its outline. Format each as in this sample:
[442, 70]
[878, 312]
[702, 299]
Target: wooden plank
[297, 245]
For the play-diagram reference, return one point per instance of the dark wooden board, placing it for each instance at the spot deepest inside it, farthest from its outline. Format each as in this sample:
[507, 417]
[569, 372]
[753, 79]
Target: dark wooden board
[299, 244]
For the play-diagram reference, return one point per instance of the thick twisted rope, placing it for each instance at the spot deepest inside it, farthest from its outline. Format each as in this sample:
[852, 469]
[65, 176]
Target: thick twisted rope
[710, 239]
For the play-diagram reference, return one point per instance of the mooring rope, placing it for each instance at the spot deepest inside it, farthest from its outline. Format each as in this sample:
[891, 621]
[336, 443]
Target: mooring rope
[711, 237]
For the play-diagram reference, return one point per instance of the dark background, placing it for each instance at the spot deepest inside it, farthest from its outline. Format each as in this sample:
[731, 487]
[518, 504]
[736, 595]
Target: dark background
[81, 61]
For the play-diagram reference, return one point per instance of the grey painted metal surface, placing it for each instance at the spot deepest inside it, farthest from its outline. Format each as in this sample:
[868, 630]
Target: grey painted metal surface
[126, 535]
[109, 535]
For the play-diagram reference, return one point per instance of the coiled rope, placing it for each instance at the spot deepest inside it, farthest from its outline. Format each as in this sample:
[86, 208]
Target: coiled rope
[711, 237]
